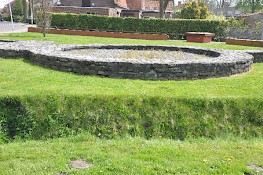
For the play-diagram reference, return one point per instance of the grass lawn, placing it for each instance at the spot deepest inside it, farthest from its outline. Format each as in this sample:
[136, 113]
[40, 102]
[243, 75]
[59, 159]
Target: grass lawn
[69, 39]
[128, 155]
[132, 156]
[21, 78]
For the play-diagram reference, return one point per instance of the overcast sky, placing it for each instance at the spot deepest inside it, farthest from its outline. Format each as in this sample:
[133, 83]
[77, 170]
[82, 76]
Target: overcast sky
[4, 2]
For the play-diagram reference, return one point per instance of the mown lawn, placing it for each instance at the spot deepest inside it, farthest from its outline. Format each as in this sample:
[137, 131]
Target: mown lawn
[21, 78]
[132, 156]
[69, 39]
[126, 155]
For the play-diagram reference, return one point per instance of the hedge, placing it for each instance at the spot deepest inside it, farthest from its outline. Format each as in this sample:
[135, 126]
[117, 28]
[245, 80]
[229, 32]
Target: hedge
[172, 27]
[51, 116]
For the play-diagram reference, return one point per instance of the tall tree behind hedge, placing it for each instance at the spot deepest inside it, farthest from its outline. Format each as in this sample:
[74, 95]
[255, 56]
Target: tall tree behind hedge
[195, 10]
[162, 7]
[250, 5]
[17, 8]
[25, 10]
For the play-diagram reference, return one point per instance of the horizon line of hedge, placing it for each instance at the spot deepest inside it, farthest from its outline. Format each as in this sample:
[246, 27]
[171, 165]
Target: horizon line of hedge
[52, 116]
[172, 27]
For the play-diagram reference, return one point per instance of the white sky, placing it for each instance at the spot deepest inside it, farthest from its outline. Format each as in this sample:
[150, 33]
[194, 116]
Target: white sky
[4, 2]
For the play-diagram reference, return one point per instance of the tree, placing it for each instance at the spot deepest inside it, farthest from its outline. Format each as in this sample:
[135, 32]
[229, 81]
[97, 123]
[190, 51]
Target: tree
[163, 6]
[195, 10]
[250, 5]
[25, 10]
[43, 16]
[17, 8]
[224, 3]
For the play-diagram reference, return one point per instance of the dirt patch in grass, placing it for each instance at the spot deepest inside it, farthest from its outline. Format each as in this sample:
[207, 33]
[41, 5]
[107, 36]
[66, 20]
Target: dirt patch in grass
[256, 168]
[80, 164]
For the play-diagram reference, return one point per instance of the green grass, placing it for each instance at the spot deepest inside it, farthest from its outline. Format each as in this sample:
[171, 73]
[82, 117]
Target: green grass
[46, 104]
[68, 39]
[40, 103]
[132, 156]
[19, 78]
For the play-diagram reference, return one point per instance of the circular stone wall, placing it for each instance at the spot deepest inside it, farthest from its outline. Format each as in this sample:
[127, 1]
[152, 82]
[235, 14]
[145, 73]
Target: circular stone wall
[196, 63]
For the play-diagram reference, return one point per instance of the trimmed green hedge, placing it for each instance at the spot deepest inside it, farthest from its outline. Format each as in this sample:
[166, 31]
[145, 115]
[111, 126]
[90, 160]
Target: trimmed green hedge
[41, 117]
[171, 27]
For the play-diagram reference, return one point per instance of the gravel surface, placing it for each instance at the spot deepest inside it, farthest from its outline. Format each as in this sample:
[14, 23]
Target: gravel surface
[116, 55]
[160, 55]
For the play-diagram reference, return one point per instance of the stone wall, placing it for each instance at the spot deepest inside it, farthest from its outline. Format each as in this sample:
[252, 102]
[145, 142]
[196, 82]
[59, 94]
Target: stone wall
[257, 56]
[52, 56]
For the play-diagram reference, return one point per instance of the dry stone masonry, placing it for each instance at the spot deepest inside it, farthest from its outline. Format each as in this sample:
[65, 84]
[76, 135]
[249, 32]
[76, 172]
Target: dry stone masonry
[216, 63]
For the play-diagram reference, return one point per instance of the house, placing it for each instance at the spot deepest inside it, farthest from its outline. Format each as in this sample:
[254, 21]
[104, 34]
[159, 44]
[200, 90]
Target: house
[114, 8]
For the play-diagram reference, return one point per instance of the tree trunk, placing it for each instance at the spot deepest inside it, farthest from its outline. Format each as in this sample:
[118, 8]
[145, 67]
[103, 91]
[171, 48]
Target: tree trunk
[253, 6]
[31, 4]
[166, 2]
[161, 8]
[25, 10]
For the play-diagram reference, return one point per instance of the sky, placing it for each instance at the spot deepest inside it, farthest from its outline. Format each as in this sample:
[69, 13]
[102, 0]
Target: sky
[3, 3]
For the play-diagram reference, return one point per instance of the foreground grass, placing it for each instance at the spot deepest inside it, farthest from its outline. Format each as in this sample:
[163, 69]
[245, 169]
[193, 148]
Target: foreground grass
[131, 156]
[42, 103]
[67, 39]
[126, 155]
[19, 78]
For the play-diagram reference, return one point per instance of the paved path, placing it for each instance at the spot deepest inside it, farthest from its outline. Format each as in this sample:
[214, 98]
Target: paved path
[6, 27]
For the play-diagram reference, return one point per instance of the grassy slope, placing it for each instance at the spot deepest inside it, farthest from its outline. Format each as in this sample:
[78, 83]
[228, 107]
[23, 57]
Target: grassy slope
[131, 156]
[67, 39]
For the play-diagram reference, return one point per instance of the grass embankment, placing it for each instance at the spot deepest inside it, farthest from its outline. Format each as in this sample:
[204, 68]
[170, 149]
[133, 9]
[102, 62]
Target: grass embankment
[68, 39]
[132, 156]
[42, 103]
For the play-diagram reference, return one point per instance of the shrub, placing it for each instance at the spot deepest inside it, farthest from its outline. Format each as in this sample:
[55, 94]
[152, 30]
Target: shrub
[16, 18]
[171, 27]
[17, 8]
[43, 16]
[195, 10]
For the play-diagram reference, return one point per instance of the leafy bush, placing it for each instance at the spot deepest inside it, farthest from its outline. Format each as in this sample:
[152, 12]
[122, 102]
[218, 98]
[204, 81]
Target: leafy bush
[195, 10]
[171, 27]
[17, 8]
[16, 18]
